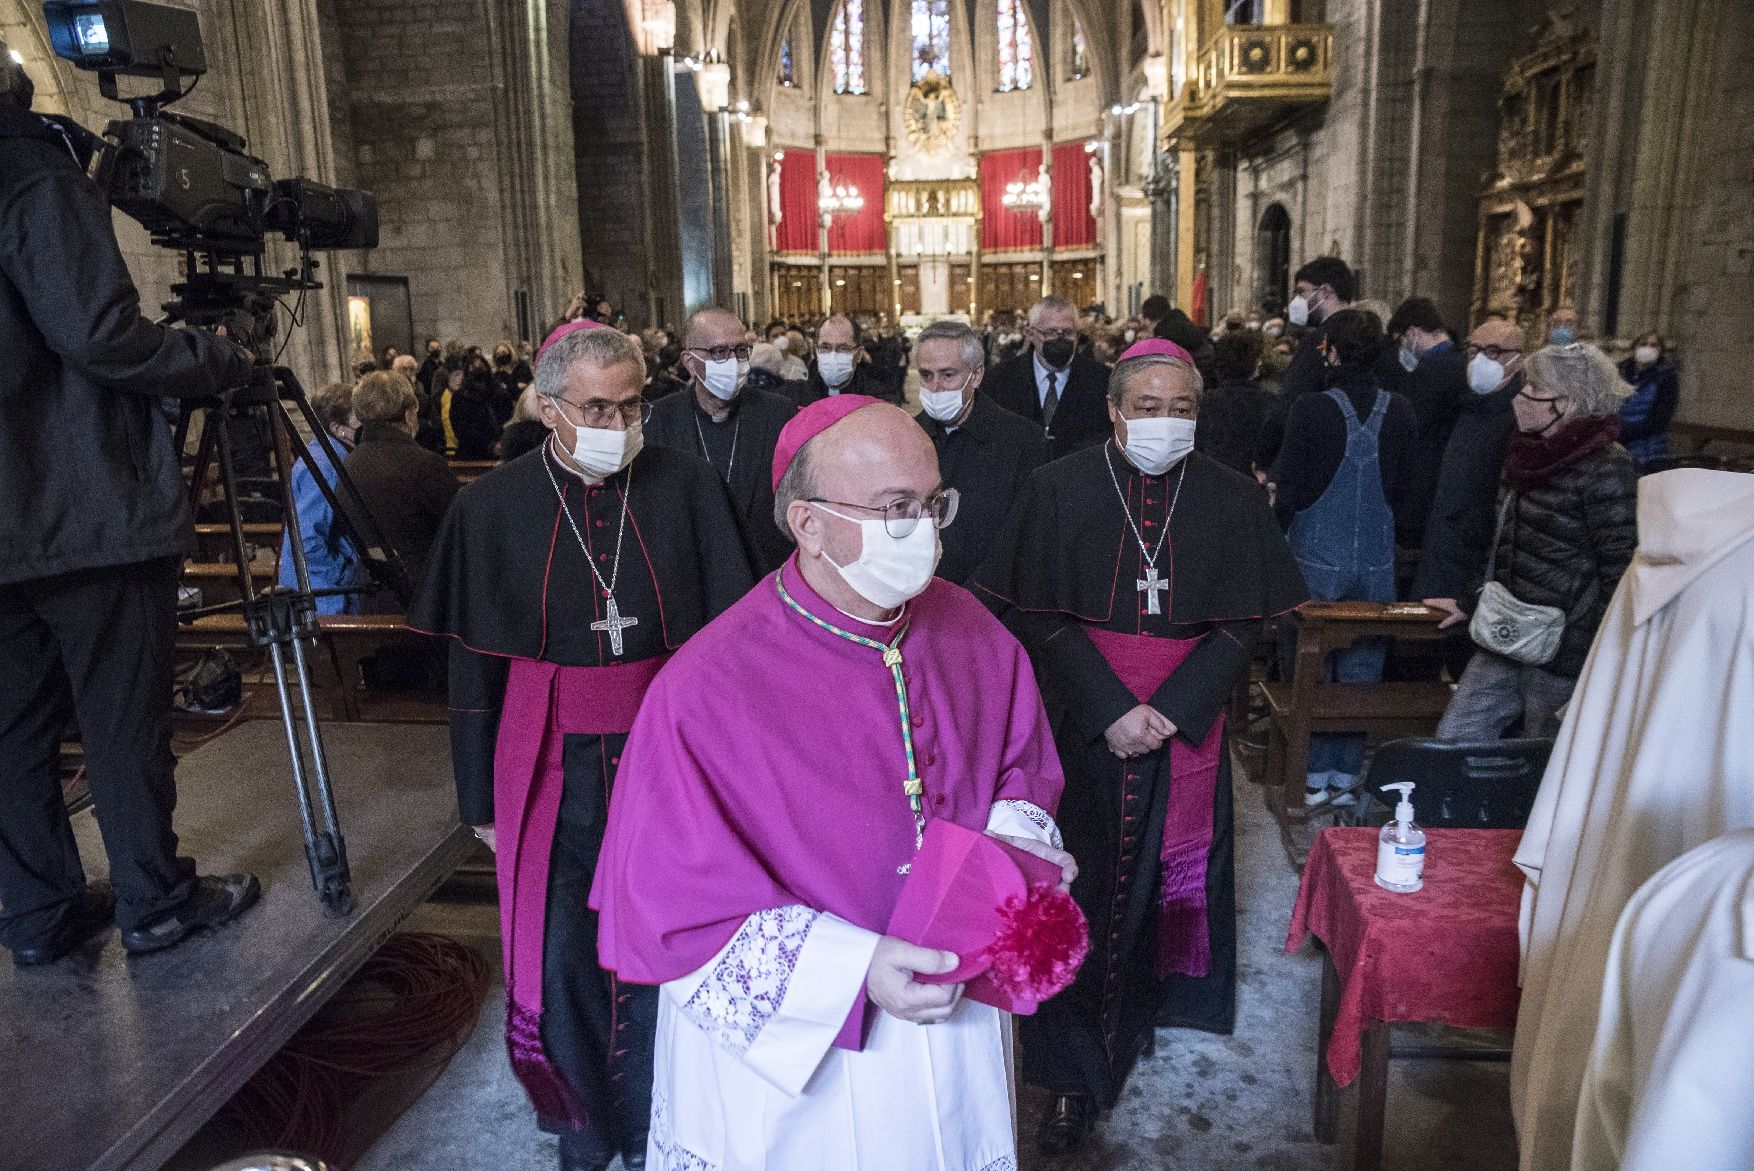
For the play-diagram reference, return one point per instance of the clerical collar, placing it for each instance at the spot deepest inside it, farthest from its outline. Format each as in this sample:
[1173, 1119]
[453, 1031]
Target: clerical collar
[899, 615]
[1133, 470]
[731, 407]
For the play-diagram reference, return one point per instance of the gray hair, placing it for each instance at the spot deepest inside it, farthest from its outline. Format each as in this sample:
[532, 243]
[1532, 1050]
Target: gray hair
[796, 484]
[1052, 303]
[1582, 373]
[974, 355]
[601, 348]
[1125, 372]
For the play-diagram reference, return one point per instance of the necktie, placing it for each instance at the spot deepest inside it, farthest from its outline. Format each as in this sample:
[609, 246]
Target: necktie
[1052, 402]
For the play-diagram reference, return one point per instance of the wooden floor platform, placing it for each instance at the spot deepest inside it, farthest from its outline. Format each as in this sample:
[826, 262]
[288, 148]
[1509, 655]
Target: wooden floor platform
[110, 1062]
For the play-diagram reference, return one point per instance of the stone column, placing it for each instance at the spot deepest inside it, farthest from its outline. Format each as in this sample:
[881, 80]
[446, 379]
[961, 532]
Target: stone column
[718, 129]
[822, 221]
[657, 79]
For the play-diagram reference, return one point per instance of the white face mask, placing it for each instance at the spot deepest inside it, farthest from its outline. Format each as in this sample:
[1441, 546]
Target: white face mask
[1485, 375]
[1131, 335]
[836, 369]
[1645, 355]
[724, 379]
[945, 405]
[1409, 360]
[889, 571]
[1297, 313]
[602, 452]
[1153, 445]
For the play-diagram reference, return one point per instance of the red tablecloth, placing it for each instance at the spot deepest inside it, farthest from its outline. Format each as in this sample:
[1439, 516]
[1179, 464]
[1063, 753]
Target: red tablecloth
[1447, 953]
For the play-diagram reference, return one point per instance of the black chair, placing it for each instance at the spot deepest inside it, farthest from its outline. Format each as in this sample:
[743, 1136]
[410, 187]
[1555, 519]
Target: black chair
[1481, 785]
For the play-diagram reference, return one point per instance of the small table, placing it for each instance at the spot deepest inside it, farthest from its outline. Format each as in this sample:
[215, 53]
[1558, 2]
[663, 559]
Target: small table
[1445, 954]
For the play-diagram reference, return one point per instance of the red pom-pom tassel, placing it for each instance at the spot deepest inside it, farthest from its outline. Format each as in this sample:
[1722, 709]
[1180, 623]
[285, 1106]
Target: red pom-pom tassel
[1042, 940]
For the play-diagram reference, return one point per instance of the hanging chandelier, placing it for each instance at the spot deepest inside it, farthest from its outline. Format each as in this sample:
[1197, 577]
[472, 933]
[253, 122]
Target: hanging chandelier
[1021, 196]
[840, 200]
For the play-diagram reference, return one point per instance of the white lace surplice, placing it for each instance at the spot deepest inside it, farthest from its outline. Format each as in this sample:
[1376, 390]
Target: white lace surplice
[747, 1078]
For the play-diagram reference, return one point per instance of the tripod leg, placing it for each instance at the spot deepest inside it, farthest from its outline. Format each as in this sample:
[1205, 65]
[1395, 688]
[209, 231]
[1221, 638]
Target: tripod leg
[333, 879]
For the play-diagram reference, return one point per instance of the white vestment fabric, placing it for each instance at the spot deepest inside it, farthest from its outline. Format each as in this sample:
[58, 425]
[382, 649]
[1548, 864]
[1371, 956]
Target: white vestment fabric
[1670, 1082]
[1656, 756]
[747, 1078]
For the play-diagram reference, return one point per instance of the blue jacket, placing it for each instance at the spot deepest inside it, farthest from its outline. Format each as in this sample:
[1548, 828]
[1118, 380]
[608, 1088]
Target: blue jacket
[330, 558]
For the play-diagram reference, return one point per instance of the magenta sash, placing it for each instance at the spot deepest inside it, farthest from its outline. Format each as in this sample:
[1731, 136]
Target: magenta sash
[1184, 944]
[543, 703]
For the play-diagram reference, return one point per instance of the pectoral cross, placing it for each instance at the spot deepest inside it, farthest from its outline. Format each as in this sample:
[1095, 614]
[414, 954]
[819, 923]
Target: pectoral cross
[1150, 585]
[615, 624]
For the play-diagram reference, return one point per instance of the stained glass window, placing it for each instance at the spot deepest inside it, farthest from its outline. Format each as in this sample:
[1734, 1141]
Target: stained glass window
[846, 47]
[1016, 50]
[931, 31]
[1080, 51]
[787, 75]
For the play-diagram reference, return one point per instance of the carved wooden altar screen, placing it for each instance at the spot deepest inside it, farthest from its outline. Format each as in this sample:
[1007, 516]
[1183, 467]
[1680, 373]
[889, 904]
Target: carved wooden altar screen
[1525, 265]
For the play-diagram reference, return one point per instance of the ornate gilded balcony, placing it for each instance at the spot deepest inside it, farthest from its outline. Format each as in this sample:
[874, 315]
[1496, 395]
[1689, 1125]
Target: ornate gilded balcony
[1249, 78]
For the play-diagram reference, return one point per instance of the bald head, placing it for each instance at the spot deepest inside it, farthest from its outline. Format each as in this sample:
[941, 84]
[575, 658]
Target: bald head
[1495, 331]
[712, 327]
[836, 331]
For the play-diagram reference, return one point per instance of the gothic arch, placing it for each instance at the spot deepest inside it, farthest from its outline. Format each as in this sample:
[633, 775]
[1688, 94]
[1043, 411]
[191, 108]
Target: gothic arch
[1273, 256]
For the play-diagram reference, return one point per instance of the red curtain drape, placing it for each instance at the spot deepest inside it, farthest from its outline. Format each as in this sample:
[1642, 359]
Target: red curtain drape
[1005, 230]
[860, 233]
[1002, 229]
[1074, 226]
[796, 232]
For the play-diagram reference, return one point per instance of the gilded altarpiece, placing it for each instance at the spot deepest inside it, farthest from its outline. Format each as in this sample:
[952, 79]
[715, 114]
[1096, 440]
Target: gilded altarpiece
[1526, 264]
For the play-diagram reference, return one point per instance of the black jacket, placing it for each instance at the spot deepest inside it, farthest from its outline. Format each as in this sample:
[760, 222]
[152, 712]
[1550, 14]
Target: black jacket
[1308, 374]
[1566, 543]
[1458, 528]
[407, 490]
[987, 460]
[1230, 423]
[87, 471]
[1437, 388]
[1082, 416]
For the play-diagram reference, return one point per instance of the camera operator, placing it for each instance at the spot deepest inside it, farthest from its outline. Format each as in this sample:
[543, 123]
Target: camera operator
[95, 521]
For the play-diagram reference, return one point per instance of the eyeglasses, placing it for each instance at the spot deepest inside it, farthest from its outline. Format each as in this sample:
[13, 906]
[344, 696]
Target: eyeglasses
[902, 517]
[1056, 335]
[601, 412]
[834, 348]
[724, 353]
[1496, 353]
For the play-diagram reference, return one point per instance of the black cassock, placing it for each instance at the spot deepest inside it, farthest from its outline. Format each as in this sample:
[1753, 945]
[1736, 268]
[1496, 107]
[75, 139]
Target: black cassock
[740, 448]
[508, 581]
[987, 460]
[1067, 564]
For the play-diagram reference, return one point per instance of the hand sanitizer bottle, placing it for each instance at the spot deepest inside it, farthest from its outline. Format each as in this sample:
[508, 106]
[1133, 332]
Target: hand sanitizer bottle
[1400, 849]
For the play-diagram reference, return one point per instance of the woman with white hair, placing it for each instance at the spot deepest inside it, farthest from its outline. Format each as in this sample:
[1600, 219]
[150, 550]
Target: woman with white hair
[1566, 531]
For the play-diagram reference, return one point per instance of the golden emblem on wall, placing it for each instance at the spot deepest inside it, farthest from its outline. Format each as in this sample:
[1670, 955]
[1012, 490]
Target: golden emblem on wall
[931, 114]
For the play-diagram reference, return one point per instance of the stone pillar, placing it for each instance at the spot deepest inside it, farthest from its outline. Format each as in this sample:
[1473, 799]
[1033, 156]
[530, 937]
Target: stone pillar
[718, 129]
[657, 78]
[289, 128]
[822, 222]
[1187, 182]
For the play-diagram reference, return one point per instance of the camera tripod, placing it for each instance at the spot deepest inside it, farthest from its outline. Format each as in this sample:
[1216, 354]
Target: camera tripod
[285, 621]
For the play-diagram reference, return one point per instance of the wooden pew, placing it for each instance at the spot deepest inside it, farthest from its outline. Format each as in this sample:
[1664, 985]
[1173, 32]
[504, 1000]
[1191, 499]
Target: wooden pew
[344, 641]
[1308, 702]
[213, 541]
[472, 469]
[218, 580]
[1730, 449]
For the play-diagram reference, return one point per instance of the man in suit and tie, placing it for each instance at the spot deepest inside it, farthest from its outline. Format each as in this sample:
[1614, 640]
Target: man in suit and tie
[1066, 395]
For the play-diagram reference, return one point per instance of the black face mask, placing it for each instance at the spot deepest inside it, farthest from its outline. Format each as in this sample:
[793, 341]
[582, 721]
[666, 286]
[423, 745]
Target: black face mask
[1058, 352]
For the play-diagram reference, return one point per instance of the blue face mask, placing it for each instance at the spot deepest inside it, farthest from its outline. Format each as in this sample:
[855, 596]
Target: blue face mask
[1561, 335]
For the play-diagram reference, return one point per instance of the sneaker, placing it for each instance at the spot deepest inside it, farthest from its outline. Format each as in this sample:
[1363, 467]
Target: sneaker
[1314, 797]
[216, 899]
[93, 911]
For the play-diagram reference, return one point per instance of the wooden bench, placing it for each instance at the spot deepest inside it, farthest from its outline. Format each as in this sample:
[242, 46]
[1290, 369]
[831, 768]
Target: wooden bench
[218, 580]
[471, 469]
[1309, 702]
[345, 641]
[1729, 449]
[213, 541]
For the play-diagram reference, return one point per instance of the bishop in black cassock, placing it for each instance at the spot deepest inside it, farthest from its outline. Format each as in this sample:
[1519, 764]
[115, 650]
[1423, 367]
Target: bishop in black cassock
[1134, 589]
[735, 435]
[548, 663]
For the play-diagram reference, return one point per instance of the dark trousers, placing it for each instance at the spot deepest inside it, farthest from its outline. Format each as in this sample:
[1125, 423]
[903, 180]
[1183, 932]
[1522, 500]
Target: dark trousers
[599, 1031]
[97, 643]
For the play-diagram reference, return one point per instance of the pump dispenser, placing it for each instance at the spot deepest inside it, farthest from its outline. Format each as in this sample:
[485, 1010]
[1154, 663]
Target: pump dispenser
[1400, 849]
